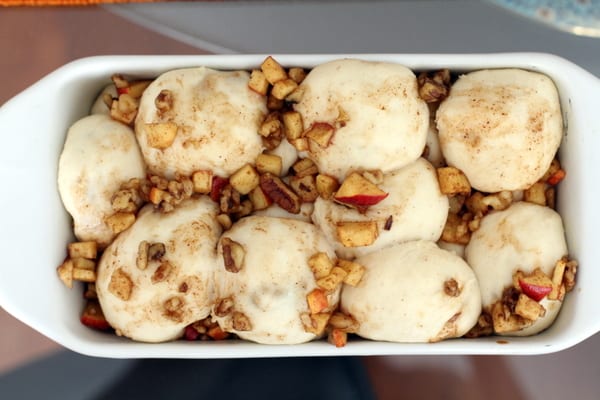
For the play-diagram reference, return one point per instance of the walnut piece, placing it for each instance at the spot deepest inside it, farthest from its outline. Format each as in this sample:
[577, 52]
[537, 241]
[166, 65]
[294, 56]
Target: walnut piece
[241, 322]
[233, 255]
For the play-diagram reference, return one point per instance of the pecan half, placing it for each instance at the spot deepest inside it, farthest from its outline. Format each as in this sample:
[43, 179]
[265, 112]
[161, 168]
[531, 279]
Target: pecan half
[280, 193]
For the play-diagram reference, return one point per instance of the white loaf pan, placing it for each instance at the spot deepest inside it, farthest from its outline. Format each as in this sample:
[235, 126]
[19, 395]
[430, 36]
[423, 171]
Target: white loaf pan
[34, 227]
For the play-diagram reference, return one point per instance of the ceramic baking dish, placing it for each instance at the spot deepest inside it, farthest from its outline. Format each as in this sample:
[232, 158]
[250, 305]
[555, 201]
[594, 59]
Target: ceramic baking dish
[35, 228]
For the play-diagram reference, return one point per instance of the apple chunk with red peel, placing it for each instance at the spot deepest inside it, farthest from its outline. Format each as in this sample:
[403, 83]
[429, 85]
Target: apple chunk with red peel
[359, 192]
[535, 286]
[93, 317]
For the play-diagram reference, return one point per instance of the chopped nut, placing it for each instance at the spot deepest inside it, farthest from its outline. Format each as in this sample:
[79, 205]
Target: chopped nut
[230, 201]
[456, 203]
[176, 190]
[388, 223]
[357, 233]
[434, 87]
[246, 208]
[271, 126]
[156, 251]
[233, 255]
[451, 288]
[331, 281]
[173, 308]
[183, 288]
[120, 284]
[297, 74]
[273, 71]
[305, 187]
[550, 197]
[354, 271]
[258, 82]
[241, 322]
[484, 327]
[160, 182]
[124, 109]
[162, 273]
[224, 307]
[453, 181]
[320, 264]
[498, 201]
[280, 193]
[344, 322]
[118, 222]
[164, 101]
[90, 291]
[124, 201]
[273, 103]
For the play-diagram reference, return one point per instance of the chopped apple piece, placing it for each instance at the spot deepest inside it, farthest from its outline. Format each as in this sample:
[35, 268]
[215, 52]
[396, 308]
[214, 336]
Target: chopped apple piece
[326, 185]
[84, 275]
[344, 322]
[218, 184]
[505, 322]
[156, 195]
[137, 88]
[65, 273]
[315, 323]
[338, 337]
[317, 301]
[304, 167]
[93, 316]
[357, 233]
[359, 192]
[320, 264]
[202, 181]
[273, 71]
[244, 179]
[120, 284]
[293, 125]
[536, 194]
[83, 263]
[258, 82]
[225, 220]
[297, 74]
[216, 333]
[259, 199]
[301, 144]
[283, 88]
[118, 222]
[160, 135]
[453, 181]
[556, 177]
[536, 285]
[233, 255]
[331, 281]
[269, 163]
[528, 308]
[87, 250]
[320, 133]
[354, 271]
